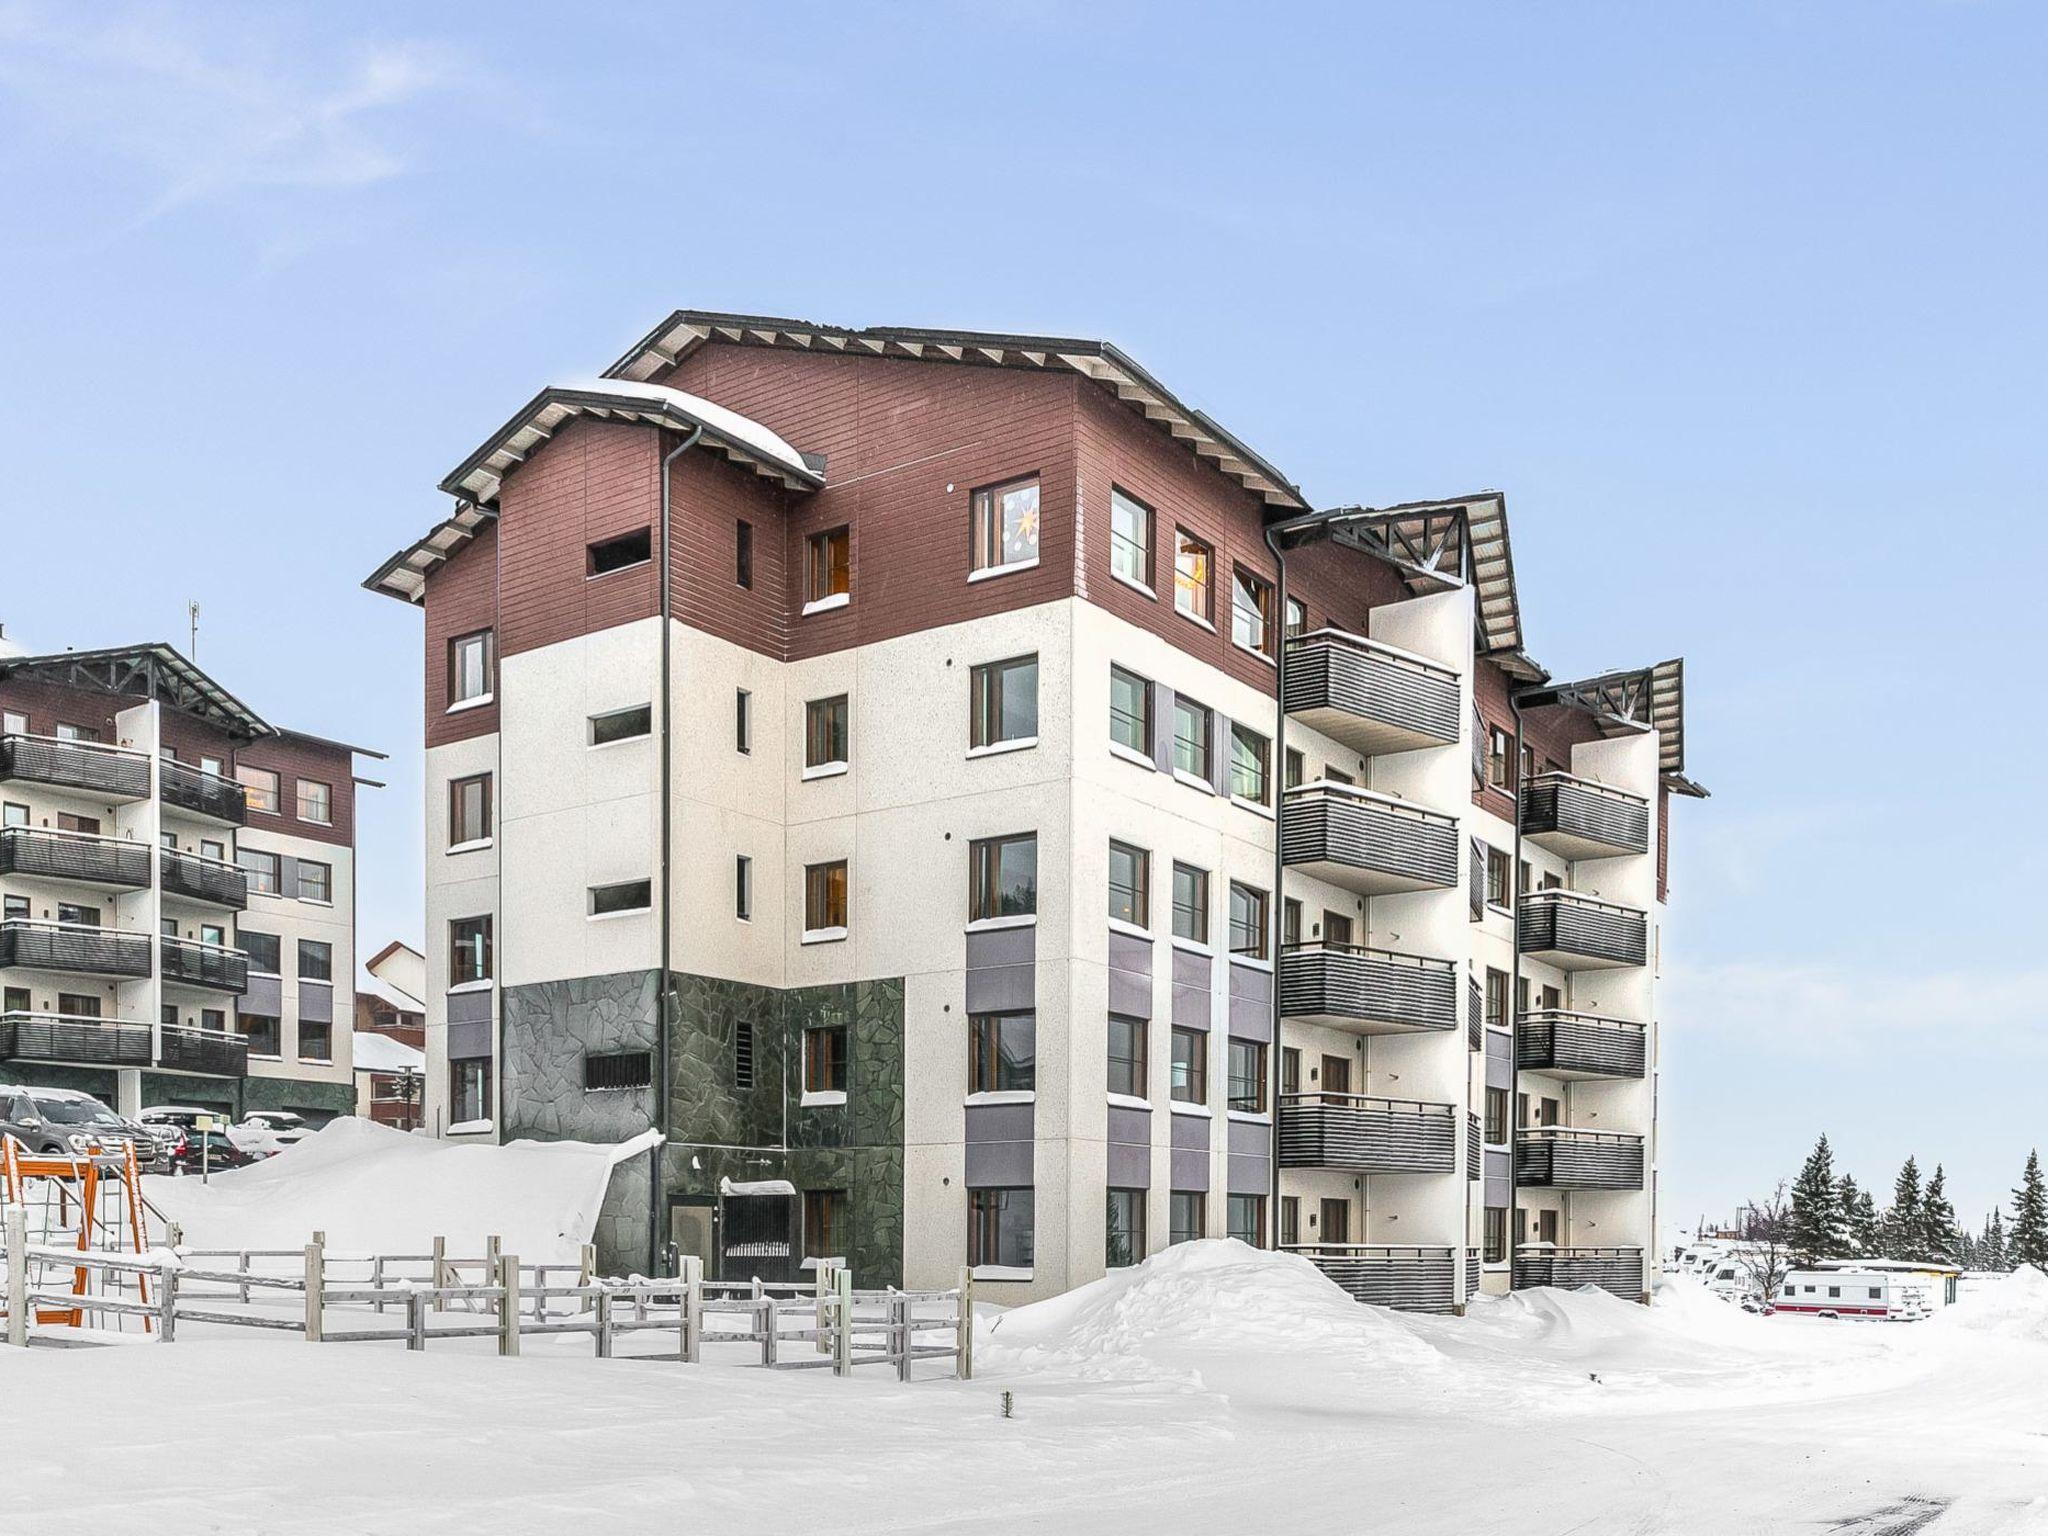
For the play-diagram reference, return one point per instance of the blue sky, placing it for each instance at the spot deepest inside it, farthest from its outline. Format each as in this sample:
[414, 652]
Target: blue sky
[1741, 304]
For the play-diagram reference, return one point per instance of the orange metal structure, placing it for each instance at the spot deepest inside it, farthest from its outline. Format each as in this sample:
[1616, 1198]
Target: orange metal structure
[72, 1196]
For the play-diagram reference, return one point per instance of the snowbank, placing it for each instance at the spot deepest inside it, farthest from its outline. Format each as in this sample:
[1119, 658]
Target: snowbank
[2014, 1306]
[375, 1190]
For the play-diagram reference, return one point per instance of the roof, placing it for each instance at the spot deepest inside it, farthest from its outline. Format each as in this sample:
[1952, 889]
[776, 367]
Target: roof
[1631, 700]
[373, 985]
[373, 1052]
[404, 575]
[154, 671]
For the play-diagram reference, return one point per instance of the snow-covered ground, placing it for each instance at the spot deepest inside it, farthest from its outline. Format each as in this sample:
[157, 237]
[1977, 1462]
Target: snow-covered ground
[1212, 1389]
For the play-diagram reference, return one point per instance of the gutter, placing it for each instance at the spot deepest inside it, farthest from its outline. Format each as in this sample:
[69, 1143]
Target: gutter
[1278, 772]
[1514, 1004]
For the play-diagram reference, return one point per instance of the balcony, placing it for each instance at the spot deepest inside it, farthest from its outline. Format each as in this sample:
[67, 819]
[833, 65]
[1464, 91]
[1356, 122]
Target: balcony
[192, 963]
[202, 793]
[212, 1052]
[1558, 1157]
[1365, 1135]
[198, 878]
[73, 947]
[109, 773]
[1370, 696]
[1619, 1270]
[1367, 991]
[73, 1040]
[1580, 933]
[82, 857]
[1576, 818]
[1413, 1279]
[1577, 1045]
[1370, 843]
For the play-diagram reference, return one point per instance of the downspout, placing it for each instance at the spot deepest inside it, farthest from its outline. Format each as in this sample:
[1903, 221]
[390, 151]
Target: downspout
[665, 993]
[1515, 992]
[1278, 771]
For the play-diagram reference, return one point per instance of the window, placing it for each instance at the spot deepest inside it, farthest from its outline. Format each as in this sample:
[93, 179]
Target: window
[1500, 758]
[89, 917]
[1249, 752]
[743, 1054]
[743, 888]
[1190, 903]
[1294, 767]
[825, 1059]
[1184, 1223]
[1004, 702]
[1251, 610]
[1247, 921]
[1002, 1053]
[743, 553]
[1123, 1237]
[469, 1091]
[264, 951]
[1190, 738]
[1496, 1117]
[259, 787]
[1245, 1218]
[1297, 617]
[316, 1040]
[1130, 883]
[263, 1035]
[74, 1005]
[1189, 1079]
[13, 723]
[828, 572]
[316, 960]
[1290, 1069]
[216, 934]
[617, 1069]
[1336, 929]
[1290, 1220]
[825, 734]
[824, 1223]
[621, 724]
[1002, 877]
[825, 899]
[1130, 711]
[469, 950]
[14, 907]
[743, 721]
[608, 555]
[1290, 921]
[1496, 1249]
[15, 815]
[316, 802]
[1496, 998]
[1500, 875]
[1130, 540]
[999, 1228]
[469, 810]
[1127, 1056]
[470, 677]
[625, 896]
[69, 732]
[316, 880]
[1006, 526]
[1190, 575]
[1247, 1083]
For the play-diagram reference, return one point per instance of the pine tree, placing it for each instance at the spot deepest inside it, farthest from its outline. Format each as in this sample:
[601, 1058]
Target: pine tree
[2028, 1242]
[1991, 1252]
[1866, 1231]
[1902, 1229]
[1819, 1225]
[1968, 1246]
[1938, 1232]
[1849, 1197]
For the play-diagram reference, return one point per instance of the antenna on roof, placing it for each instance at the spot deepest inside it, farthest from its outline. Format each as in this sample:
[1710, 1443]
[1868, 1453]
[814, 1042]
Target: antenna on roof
[192, 630]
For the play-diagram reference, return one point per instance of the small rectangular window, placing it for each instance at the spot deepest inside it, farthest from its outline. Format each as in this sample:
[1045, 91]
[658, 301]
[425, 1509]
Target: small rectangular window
[1124, 1231]
[1496, 998]
[316, 802]
[1185, 1216]
[1290, 1220]
[743, 888]
[1005, 525]
[1189, 1079]
[1246, 1219]
[825, 1059]
[469, 950]
[743, 553]
[1003, 877]
[469, 1091]
[1297, 618]
[1130, 711]
[469, 810]
[470, 673]
[1500, 876]
[1247, 921]
[825, 733]
[999, 1228]
[608, 555]
[265, 1037]
[825, 1226]
[1130, 884]
[828, 573]
[1191, 558]
[1191, 725]
[316, 881]
[1500, 758]
[1251, 610]
[1190, 903]
[316, 960]
[1130, 539]
[1247, 1084]
[1002, 1053]
[743, 1053]
[1496, 1235]
[616, 1070]
[825, 899]
[625, 896]
[263, 949]
[621, 725]
[260, 788]
[1250, 753]
[316, 1040]
[743, 721]
[1004, 702]
[1496, 1117]
[1127, 1056]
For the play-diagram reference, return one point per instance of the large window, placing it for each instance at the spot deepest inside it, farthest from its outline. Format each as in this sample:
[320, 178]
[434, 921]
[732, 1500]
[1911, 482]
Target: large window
[265, 1036]
[825, 1229]
[1002, 1053]
[616, 554]
[825, 899]
[469, 950]
[1191, 561]
[316, 1040]
[621, 897]
[1190, 903]
[1130, 884]
[469, 810]
[259, 785]
[1127, 1056]
[1247, 921]
[316, 802]
[262, 869]
[1185, 1216]
[1245, 1216]
[1002, 877]
[1189, 1081]
[1250, 754]
[999, 1228]
[316, 960]
[1190, 738]
[1130, 711]
[469, 1091]
[1004, 702]
[1130, 539]
[828, 569]
[470, 668]
[1247, 1085]
[1006, 525]
[825, 734]
[316, 880]
[1251, 610]
[621, 725]
[825, 1051]
[1123, 1240]
[264, 952]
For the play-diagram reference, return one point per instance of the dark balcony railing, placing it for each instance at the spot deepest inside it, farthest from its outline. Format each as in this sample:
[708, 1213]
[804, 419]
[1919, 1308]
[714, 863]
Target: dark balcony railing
[1577, 933]
[73, 1040]
[192, 964]
[1367, 842]
[113, 772]
[1413, 1279]
[1573, 1045]
[1373, 991]
[198, 878]
[1619, 1270]
[1554, 1157]
[80, 856]
[214, 1052]
[1370, 696]
[202, 793]
[1579, 819]
[73, 947]
[1367, 1135]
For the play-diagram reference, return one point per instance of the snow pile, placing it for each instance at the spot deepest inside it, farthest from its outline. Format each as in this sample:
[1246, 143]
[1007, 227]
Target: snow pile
[2015, 1306]
[375, 1190]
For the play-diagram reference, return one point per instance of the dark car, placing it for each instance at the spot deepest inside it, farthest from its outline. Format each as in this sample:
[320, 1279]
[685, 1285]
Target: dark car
[62, 1122]
[209, 1152]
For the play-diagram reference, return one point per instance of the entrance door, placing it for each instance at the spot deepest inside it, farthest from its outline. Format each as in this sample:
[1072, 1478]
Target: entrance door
[693, 1231]
[1336, 1222]
[1336, 1074]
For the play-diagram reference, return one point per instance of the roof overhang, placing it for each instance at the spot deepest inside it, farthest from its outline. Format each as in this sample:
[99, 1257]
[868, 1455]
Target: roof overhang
[153, 671]
[1639, 699]
[404, 575]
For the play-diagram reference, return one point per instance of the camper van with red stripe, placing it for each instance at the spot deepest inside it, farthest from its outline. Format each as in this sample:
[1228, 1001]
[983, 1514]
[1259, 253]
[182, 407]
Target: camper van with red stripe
[1883, 1290]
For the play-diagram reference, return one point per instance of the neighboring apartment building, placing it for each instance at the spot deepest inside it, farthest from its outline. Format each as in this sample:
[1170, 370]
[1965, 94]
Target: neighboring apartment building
[909, 853]
[391, 1040]
[178, 884]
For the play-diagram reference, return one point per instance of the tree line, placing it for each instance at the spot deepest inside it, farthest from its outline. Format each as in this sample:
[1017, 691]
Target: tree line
[1829, 1216]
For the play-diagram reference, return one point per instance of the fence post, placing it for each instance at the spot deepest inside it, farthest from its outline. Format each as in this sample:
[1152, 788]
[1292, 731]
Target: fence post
[963, 1329]
[440, 1272]
[587, 1271]
[316, 1286]
[842, 1336]
[493, 1249]
[416, 1319]
[508, 1303]
[769, 1316]
[693, 1307]
[540, 1300]
[242, 1269]
[823, 1284]
[17, 1275]
[174, 1235]
[604, 1323]
[899, 1333]
[167, 1304]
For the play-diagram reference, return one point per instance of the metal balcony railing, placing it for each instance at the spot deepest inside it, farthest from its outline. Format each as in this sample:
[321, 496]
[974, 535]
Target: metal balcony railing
[1561, 1157]
[215, 967]
[1575, 1045]
[196, 877]
[1578, 933]
[1578, 818]
[1619, 1270]
[74, 947]
[1360, 1134]
[1372, 991]
[46, 854]
[73, 1040]
[203, 794]
[1419, 1279]
[1367, 842]
[213, 1052]
[116, 773]
[1369, 695]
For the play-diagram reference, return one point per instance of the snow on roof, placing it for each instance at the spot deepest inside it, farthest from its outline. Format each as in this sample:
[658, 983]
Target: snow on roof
[59, 1095]
[381, 1053]
[756, 1187]
[716, 418]
[372, 985]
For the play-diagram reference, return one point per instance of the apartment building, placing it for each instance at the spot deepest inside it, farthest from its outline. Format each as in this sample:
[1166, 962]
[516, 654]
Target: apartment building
[859, 753]
[177, 890]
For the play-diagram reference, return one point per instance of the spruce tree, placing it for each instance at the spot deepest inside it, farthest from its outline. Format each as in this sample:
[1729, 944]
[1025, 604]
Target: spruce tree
[2028, 1241]
[1819, 1228]
[1866, 1232]
[1991, 1252]
[1938, 1232]
[1849, 1197]
[1902, 1229]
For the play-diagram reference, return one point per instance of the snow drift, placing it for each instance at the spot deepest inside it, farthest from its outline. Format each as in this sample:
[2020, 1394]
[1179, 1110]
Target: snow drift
[375, 1190]
[2014, 1306]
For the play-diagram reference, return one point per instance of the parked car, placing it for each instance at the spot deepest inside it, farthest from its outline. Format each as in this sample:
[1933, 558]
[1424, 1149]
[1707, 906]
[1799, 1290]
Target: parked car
[156, 1146]
[210, 1152]
[267, 1132]
[62, 1122]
